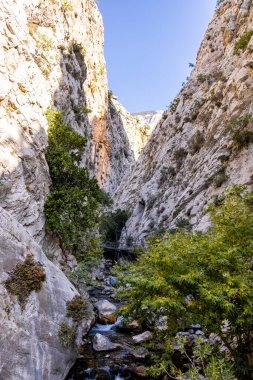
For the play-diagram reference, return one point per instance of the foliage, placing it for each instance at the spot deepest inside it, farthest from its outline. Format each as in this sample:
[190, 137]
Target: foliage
[196, 142]
[179, 156]
[67, 334]
[202, 277]
[243, 41]
[25, 277]
[72, 208]
[111, 95]
[67, 6]
[44, 42]
[83, 270]
[201, 357]
[218, 3]
[78, 308]
[174, 104]
[112, 224]
[237, 127]
[203, 78]
[219, 178]
[183, 223]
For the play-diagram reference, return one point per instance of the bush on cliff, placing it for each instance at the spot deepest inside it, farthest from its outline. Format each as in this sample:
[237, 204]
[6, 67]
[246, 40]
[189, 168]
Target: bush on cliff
[201, 278]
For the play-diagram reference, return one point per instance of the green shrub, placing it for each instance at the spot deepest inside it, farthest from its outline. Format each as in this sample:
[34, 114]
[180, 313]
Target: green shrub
[44, 42]
[237, 127]
[78, 309]
[67, 6]
[203, 78]
[112, 224]
[67, 334]
[218, 3]
[25, 277]
[213, 270]
[242, 43]
[196, 142]
[179, 156]
[219, 178]
[183, 224]
[75, 201]
[174, 104]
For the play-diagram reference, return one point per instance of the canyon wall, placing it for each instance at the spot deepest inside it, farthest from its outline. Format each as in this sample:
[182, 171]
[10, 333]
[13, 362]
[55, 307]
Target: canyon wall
[204, 141]
[51, 56]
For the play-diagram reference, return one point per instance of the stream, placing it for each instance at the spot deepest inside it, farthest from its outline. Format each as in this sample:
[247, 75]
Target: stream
[124, 358]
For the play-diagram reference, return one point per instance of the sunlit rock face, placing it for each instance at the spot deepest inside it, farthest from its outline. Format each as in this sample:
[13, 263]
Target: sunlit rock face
[128, 133]
[51, 55]
[192, 155]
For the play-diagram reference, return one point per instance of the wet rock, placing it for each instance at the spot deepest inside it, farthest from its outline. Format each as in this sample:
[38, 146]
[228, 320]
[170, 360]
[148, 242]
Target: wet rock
[100, 277]
[111, 281]
[106, 311]
[144, 337]
[139, 370]
[199, 332]
[140, 353]
[102, 343]
[127, 326]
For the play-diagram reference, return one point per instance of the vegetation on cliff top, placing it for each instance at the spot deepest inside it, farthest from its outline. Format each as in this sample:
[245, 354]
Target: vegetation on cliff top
[202, 278]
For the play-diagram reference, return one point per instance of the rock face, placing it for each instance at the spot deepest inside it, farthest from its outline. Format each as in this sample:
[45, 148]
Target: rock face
[194, 153]
[51, 55]
[30, 345]
[129, 134]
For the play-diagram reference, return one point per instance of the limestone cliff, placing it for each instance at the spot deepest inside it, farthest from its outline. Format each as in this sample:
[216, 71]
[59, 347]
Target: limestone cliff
[51, 55]
[128, 133]
[204, 141]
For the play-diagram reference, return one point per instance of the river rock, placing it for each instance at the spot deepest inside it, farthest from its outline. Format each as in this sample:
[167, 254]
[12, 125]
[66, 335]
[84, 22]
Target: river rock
[139, 370]
[102, 343]
[129, 326]
[140, 353]
[144, 337]
[106, 311]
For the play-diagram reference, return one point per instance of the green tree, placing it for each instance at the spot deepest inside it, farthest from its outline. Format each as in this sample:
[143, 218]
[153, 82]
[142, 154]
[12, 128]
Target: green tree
[112, 224]
[73, 206]
[202, 278]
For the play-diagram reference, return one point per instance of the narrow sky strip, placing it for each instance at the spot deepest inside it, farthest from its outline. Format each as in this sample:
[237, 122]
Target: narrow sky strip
[148, 46]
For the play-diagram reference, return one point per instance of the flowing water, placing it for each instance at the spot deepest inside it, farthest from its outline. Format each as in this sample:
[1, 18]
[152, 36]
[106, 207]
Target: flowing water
[107, 365]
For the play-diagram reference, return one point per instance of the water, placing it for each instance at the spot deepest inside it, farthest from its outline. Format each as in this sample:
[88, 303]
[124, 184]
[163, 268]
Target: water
[103, 329]
[107, 365]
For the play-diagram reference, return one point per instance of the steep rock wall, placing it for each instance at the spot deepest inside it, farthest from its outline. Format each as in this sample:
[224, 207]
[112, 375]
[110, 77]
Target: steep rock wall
[192, 155]
[128, 135]
[29, 340]
[51, 55]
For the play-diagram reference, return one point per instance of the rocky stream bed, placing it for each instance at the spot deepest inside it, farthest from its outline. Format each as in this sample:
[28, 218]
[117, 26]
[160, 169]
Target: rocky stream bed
[112, 349]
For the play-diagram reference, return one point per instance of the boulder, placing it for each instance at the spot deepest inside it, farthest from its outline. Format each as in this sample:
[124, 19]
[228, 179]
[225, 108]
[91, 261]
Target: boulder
[140, 353]
[102, 343]
[139, 370]
[106, 311]
[128, 326]
[144, 337]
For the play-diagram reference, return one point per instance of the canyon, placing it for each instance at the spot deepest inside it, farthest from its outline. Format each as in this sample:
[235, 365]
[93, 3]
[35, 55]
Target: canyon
[162, 167]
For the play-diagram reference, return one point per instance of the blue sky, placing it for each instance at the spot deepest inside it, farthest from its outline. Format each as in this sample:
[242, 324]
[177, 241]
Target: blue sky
[148, 45]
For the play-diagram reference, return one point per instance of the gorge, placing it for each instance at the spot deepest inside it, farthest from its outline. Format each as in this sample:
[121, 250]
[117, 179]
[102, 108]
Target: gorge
[161, 168]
